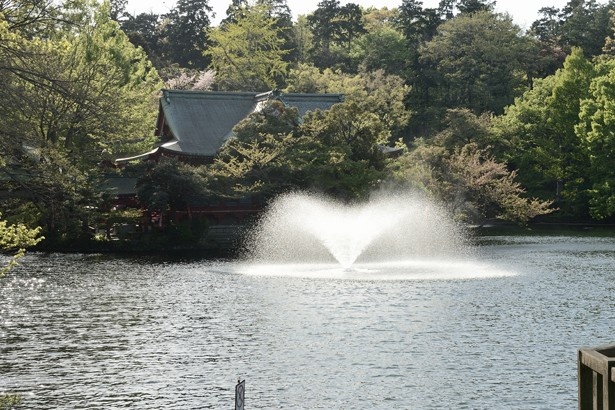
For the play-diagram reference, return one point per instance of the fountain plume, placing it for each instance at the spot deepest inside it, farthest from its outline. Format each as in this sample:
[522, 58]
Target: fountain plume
[302, 227]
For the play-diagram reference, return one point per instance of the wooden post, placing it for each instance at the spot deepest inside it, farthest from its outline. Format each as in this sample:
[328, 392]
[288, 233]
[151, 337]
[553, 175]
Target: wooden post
[585, 379]
[596, 378]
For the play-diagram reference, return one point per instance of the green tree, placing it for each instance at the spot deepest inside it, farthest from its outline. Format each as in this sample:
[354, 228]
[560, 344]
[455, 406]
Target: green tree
[334, 28]
[340, 151]
[89, 95]
[303, 40]
[597, 131]
[381, 48]
[373, 91]
[248, 55]
[257, 160]
[143, 30]
[416, 23]
[29, 18]
[475, 6]
[322, 24]
[170, 185]
[334, 151]
[184, 33]
[16, 238]
[583, 24]
[462, 127]
[551, 159]
[476, 61]
[471, 183]
[117, 10]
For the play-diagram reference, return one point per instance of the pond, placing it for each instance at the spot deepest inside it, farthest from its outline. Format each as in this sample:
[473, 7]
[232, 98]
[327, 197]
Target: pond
[101, 331]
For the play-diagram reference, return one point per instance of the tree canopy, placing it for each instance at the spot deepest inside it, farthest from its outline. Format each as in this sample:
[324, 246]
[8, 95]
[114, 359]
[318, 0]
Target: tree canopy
[248, 54]
[72, 97]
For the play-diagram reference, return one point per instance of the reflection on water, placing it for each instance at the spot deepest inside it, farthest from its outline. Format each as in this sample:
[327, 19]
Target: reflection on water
[79, 331]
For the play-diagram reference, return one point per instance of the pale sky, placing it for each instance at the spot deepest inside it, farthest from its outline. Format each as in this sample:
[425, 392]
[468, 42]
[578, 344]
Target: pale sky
[523, 12]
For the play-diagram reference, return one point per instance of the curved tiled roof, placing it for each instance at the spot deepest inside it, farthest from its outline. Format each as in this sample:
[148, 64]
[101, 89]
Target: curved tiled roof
[200, 122]
[197, 123]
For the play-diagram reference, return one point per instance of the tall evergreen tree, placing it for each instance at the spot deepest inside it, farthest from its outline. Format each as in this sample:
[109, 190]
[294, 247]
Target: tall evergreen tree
[184, 33]
[143, 30]
[474, 6]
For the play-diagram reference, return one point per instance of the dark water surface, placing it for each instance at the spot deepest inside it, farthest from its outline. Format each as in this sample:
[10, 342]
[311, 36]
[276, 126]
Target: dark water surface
[104, 332]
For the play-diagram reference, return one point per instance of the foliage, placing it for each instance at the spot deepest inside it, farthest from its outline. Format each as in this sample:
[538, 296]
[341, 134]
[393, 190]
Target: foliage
[372, 91]
[581, 24]
[469, 181]
[476, 61]
[334, 28]
[304, 40]
[256, 161]
[341, 150]
[16, 238]
[334, 151]
[462, 127]
[69, 101]
[597, 132]
[550, 157]
[382, 48]
[9, 401]
[183, 33]
[417, 24]
[144, 30]
[247, 54]
[475, 6]
[186, 79]
[170, 185]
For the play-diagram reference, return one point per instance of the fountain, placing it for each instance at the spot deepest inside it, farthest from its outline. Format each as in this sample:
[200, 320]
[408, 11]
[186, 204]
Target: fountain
[391, 236]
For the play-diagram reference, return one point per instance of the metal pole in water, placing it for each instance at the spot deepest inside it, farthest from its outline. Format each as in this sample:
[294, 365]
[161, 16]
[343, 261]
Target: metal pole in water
[240, 393]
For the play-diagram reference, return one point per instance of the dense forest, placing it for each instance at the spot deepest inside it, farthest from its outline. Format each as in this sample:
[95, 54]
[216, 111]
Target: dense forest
[491, 120]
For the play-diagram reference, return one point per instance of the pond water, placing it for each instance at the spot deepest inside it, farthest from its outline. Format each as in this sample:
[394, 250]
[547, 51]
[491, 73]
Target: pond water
[105, 332]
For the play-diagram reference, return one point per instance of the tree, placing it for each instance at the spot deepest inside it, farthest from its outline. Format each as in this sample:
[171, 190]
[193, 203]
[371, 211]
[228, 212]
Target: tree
[322, 24]
[16, 238]
[372, 91]
[143, 30]
[68, 102]
[583, 24]
[334, 151]
[597, 131]
[334, 28]
[186, 79]
[381, 48]
[170, 185]
[304, 40]
[340, 151]
[462, 127]
[184, 33]
[551, 158]
[417, 24]
[474, 6]
[468, 180]
[248, 55]
[476, 61]
[350, 25]
[117, 9]
[29, 18]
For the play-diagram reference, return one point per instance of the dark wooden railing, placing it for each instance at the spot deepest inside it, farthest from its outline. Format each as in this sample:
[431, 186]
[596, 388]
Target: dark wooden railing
[597, 378]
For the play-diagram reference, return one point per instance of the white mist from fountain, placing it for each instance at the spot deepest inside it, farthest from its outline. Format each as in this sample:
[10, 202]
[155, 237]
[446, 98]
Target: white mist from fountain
[395, 236]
